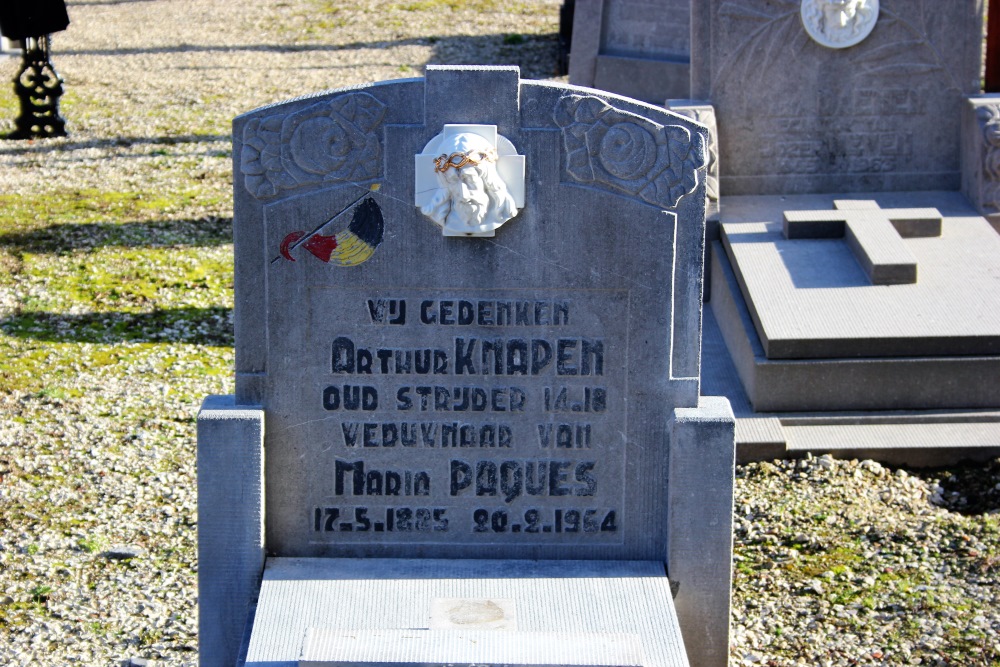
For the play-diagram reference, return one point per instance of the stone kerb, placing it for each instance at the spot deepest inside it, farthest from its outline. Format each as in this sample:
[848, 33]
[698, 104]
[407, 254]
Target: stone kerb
[428, 395]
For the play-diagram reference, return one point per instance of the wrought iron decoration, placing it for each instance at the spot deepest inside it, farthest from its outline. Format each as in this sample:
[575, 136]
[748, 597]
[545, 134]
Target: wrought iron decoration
[39, 87]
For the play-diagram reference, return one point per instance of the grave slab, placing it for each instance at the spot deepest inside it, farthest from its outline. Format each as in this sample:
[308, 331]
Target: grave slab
[837, 384]
[629, 600]
[811, 299]
[324, 647]
[919, 438]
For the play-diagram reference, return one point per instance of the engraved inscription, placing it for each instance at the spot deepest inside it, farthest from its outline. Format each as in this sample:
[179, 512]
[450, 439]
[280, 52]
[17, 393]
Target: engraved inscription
[630, 32]
[868, 140]
[480, 414]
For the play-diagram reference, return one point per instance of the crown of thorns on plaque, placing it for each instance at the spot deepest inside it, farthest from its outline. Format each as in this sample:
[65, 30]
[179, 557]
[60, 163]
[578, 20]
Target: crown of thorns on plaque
[459, 159]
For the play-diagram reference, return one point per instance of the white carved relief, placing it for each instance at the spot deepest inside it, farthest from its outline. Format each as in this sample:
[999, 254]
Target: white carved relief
[838, 24]
[469, 180]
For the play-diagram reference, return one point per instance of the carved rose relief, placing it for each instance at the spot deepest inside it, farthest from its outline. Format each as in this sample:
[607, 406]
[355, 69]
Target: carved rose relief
[329, 141]
[706, 116]
[621, 151]
[839, 24]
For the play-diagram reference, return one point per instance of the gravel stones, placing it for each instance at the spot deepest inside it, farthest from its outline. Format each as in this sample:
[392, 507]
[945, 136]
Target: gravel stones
[848, 562]
[115, 322]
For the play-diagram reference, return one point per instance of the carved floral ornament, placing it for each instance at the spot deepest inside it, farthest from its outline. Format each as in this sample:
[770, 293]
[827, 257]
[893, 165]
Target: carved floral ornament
[335, 140]
[989, 117]
[838, 24]
[469, 180]
[620, 151]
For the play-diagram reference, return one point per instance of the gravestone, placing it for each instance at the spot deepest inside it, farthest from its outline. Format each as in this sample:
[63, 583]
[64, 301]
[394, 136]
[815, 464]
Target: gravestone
[638, 48]
[854, 291]
[800, 113]
[467, 425]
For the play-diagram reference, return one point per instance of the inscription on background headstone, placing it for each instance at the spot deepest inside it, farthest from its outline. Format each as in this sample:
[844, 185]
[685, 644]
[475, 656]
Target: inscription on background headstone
[647, 28]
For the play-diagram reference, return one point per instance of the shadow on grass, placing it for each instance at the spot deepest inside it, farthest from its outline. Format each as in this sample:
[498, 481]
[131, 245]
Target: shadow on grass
[196, 326]
[537, 55]
[105, 2]
[971, 489]
[210, 231]
[63, 146]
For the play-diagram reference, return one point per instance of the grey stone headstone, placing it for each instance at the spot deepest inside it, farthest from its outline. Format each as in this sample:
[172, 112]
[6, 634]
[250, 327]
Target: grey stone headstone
[796, 116]
[468, 397]
[508, 397]
[638, 48]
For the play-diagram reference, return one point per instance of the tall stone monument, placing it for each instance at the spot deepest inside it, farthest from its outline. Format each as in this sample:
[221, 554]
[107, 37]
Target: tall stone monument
[467, 425]
[854, 289]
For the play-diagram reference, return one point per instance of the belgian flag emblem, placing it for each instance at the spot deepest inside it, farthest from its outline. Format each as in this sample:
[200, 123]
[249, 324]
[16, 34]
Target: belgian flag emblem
[350, 246]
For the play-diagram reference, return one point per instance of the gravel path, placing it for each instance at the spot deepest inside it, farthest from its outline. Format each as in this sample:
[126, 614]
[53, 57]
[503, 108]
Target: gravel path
[115, 321]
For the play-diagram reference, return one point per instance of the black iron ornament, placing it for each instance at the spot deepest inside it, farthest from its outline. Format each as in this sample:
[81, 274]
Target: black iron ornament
[39, 87]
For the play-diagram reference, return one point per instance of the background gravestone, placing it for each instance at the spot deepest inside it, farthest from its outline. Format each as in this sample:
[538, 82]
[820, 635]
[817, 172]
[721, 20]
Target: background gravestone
[853, 288]
[528, 395]
[638, 48]
[797, 117]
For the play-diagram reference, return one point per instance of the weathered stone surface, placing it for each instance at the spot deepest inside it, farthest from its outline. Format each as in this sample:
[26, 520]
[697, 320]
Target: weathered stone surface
[586, 599]
[704, 113]
[638, 48]
[875, 236]
[811, 298]
[324, 647]
[807, 330]
[230, 524]
[795, 116]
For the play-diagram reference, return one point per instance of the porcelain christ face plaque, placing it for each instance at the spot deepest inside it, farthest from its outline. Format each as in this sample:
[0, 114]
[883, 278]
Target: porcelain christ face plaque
[838, 24]
[469, 180]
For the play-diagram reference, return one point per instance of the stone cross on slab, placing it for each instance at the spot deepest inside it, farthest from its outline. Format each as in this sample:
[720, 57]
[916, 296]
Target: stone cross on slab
[875, 235]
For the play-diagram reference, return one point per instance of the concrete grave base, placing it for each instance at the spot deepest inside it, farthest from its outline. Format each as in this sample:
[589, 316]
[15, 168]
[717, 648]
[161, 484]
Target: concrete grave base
[582, 597]
[327, 647]
[596, 612]
[901, 407]
[919, 438]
